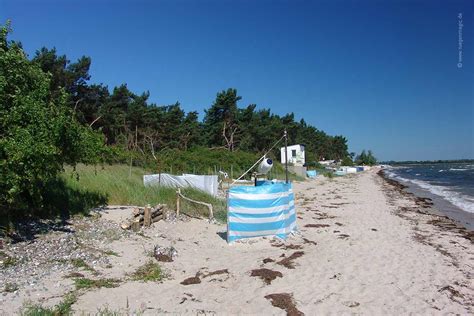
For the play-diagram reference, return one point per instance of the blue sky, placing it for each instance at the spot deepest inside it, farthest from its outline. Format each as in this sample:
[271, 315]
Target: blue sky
[382, 73]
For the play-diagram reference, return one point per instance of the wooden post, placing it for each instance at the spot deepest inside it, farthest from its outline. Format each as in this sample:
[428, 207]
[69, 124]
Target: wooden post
[136, 225]
[136, 136]
[286, 156]
[130, 172]
[147, 216]
[178, 193]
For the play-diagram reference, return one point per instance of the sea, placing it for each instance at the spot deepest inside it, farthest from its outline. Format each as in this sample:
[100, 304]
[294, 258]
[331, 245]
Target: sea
[449, 185]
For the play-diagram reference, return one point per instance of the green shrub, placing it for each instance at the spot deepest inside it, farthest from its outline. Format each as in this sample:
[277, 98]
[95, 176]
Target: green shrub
[38, 132]
[347, 161]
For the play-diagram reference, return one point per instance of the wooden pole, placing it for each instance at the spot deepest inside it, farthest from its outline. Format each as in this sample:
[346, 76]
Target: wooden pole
[136, 137]
[147, 216]
[178, 193]
[286, 156]
[136, 225]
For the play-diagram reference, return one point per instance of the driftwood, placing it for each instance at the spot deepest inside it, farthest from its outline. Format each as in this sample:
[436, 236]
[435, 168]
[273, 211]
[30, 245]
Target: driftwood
[180, 195]
[144, 217]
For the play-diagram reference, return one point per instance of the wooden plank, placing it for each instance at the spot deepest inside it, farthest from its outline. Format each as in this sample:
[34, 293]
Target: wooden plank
[157, 218]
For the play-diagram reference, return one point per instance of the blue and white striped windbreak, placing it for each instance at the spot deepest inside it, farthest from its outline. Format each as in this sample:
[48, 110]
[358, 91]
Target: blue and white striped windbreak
[268, 209]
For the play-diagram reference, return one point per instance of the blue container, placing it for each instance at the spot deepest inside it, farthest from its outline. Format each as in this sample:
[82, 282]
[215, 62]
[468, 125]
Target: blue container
[359, 169]
[311, 173]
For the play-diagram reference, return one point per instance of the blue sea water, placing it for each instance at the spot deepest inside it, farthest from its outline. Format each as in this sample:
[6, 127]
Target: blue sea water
[453, 182]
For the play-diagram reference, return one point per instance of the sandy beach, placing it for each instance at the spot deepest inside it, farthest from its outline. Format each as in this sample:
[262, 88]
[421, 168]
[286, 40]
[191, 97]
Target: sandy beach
[364, 247]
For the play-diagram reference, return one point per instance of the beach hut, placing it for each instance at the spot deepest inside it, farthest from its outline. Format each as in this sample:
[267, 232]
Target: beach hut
[340, 173]
[347, 169]
[351, 170]
[295, 154]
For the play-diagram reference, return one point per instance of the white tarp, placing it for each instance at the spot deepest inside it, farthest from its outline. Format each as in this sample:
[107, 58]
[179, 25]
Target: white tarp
[207, 184]
[348, 169]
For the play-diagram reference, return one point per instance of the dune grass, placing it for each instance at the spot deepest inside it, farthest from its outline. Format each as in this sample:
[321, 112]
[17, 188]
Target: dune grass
[122, 185]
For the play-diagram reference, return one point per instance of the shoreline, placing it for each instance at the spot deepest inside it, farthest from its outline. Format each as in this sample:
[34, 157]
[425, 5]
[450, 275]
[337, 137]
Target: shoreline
[461, 219]
[364, 246]
[449, 200]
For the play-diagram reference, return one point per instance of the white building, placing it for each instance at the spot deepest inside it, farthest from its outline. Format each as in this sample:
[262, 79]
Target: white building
[296, 155]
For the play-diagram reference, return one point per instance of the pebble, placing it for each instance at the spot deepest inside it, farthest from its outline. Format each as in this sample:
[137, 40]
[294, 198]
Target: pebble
[52, 248]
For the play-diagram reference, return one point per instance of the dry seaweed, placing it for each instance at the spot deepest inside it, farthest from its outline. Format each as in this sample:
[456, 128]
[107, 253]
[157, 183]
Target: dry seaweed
[191, 280]
[288, 261]
[285, 302]
[317, 225]
[266, 275]
[307, 241]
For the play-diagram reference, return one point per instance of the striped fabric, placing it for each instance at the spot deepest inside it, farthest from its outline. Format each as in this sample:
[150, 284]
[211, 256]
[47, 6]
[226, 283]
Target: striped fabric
[267, 209]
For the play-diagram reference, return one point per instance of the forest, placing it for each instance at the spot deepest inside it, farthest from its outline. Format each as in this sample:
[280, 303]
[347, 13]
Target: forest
[129, 120]
[52, 115]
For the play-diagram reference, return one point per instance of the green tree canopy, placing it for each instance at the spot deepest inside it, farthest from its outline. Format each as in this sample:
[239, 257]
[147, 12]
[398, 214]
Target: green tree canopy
[367, 159]
[38, 131]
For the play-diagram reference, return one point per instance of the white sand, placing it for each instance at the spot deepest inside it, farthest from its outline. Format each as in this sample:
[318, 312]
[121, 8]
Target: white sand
[380, 268]
[376, 272]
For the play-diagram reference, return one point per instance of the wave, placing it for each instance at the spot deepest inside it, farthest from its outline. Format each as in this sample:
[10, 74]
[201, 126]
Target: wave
[458, 169]
[441, 170]
[462, 201]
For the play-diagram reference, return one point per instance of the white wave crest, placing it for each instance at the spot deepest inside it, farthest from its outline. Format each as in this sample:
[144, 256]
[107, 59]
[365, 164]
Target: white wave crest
[457, 169]
[462, 201]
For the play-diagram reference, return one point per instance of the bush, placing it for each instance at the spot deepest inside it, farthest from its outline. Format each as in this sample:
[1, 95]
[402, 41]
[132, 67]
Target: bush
[347, 161]
[38, 132]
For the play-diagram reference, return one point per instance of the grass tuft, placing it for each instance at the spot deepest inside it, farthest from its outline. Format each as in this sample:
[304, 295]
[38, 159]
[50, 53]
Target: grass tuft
[6, 260]
[63, 308]
[10, 287]
[80, 263]
[111, 253]
[85, 283]
[150, 271]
